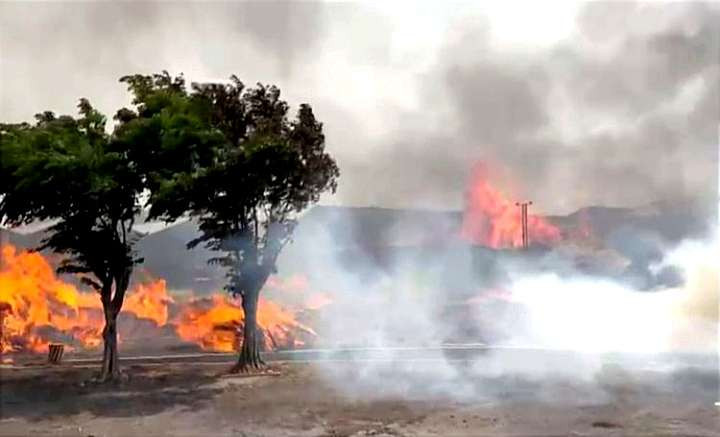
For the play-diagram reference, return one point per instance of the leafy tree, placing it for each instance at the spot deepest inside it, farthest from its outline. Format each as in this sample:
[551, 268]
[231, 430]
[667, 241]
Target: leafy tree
[230, 157]
[69, 171]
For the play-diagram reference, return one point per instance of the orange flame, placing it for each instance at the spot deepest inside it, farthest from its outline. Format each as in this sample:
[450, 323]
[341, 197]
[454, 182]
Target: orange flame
[33, 299]
[317, 300]
[149, 301]
[492, 220]
[212, 323]
[215, 323]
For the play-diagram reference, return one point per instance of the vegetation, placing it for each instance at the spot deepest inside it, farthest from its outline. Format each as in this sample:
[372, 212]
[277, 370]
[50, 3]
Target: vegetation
[231, 158]
[227, 156]
[71, 171]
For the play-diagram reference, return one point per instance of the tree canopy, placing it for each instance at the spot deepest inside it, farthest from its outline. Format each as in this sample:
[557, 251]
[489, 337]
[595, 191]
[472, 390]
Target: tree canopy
[232, 158]
[228, 156]
[67, 170]
[71, 172]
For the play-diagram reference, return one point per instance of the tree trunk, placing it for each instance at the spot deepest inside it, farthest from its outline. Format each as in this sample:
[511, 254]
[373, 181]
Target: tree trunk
[110, 364]
[249, 357]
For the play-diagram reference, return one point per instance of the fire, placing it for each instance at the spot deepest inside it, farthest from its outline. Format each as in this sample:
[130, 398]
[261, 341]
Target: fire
[280, 326]
[317, 300]
[492, 220]
[215, 323]
[297, 292]
[212, 323]
[149, 301]
[36, 307]
[34, 297]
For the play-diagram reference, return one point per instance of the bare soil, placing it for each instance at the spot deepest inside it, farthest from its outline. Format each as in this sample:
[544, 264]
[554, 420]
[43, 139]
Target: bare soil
[297, 399]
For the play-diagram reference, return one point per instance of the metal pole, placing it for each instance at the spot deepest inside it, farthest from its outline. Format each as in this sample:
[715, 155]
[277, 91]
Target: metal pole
[526, 228]
[524, 222]
[527, 235]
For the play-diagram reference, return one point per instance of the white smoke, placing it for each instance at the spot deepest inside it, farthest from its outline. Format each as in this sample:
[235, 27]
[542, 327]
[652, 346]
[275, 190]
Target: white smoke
[402, 329]
[601, 315]
[593, 315]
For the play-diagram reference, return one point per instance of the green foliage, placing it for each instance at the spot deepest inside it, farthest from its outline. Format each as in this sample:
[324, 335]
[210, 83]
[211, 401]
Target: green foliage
[226, 155]
[70, 171]
[231, 158]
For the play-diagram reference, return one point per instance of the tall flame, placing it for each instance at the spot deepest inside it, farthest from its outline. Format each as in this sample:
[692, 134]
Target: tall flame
[492, 220]
[149, 301]
[34, 297]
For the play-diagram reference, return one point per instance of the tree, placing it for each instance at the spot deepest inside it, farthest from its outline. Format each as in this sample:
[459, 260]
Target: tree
[70, 171]
[231, 158]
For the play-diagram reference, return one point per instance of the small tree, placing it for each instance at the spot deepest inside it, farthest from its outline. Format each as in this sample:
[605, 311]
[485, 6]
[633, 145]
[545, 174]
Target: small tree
[69, 171]
[242, 169]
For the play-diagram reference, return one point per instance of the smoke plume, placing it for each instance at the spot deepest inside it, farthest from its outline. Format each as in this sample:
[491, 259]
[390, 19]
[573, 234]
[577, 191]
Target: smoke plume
[620, 111]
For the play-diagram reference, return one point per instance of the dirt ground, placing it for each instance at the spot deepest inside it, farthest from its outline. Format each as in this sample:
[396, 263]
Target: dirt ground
[194, 400]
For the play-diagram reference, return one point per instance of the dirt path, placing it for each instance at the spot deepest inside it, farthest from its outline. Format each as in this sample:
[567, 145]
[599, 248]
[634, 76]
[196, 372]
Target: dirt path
[190, 400]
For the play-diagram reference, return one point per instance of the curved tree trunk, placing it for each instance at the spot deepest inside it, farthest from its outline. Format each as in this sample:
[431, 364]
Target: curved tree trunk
[110, 364]
[249, 357]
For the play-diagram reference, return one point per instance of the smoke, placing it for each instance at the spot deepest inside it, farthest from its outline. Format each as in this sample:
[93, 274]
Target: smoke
[93, 44]
[696, 314]
[637, 106]
[629, 97]
[416, 328]
[622, 111]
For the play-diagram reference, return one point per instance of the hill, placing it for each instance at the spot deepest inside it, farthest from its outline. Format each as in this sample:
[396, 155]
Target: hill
[367, 241]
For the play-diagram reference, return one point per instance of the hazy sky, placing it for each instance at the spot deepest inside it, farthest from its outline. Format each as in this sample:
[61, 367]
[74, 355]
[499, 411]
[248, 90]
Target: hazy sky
[603, 103]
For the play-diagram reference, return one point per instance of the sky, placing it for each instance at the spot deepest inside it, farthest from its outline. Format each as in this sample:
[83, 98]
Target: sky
[571, 104]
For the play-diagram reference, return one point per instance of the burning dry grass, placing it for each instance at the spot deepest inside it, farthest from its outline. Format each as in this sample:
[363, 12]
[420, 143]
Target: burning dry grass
[38, 308]
[215, 322]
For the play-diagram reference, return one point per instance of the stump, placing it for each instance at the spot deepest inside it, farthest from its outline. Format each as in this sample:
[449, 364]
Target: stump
[55, 353]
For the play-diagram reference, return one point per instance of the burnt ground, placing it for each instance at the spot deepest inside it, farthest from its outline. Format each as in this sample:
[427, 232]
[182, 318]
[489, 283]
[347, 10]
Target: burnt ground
[191, 399]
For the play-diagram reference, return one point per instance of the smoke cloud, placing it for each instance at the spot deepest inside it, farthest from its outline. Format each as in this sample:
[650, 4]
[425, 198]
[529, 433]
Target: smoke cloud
[622, 110]
[407, 327]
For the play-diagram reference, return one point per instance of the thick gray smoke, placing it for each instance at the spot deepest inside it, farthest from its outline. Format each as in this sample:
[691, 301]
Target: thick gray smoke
[615, 117]
[622, 111]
